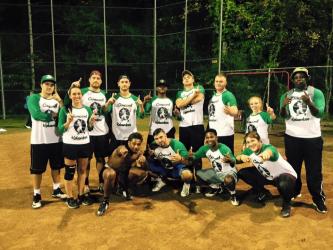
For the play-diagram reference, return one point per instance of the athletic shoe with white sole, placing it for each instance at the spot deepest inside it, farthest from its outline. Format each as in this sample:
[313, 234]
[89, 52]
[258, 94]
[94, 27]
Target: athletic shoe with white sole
[58, 193]
[159, 184]
[233, 200]
[102, 208]
[36, 201]
[320, 207]
[72, 203]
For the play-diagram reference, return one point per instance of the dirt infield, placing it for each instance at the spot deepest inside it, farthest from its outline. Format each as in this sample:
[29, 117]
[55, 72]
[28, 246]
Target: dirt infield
[163, 221]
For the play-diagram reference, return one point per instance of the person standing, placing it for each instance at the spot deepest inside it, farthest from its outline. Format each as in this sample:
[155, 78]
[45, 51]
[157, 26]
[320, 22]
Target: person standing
[161, 109]
[222, 109]
[46, 143]
[125, 108]
[302, 107]
[74, 122]
[259, 120]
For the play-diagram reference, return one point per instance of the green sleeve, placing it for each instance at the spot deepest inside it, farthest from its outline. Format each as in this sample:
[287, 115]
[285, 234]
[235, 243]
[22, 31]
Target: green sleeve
[319, 102]
[266, 117]
[201, 153]
[34, 109]
[179, 146]
[275, 155]
[84, 90]
[229, 99]
[281, 102]
[225, 150]
[201, 88]
[247, 152]
[179, 94]
[62, 120]
[149, 104]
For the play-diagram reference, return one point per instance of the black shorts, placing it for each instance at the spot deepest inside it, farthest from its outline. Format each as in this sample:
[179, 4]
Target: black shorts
[192, 136]
[74, 152]
[42, 153]
[99, 145]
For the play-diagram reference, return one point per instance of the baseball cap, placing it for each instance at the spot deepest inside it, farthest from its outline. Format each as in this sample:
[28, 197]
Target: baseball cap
[47, 78]
[162, 82]
[123, 76]
[300, 69]
[187, 72]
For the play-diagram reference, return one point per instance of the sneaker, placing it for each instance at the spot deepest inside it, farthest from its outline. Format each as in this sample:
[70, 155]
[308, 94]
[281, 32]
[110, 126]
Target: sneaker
[37, 201]
[263, 195]
[185, 190]
[285, 211]
[72, 203]
[296, 196]
[233, 200]
[85, 200]
[160, 183]
[28, 127]
[58, 193]
[320, 207]
[102, 208]
[212, 192]
[101, 188]
[197, 189]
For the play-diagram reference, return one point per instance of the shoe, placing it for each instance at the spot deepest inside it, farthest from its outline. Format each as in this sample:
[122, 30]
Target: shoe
[102, 208]
[58, 193]
[213, 191]
[72, 203]
[85, 200]
[158, 185]
[285, 211]
[233, 200]
[28, 127]
[263, 195]
[320, 207]
[37, 201]
[197, 189]
[185, 190]
[296, 196]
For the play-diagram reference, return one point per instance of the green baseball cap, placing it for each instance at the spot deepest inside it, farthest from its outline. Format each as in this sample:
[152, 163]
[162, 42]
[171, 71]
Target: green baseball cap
[47, 78]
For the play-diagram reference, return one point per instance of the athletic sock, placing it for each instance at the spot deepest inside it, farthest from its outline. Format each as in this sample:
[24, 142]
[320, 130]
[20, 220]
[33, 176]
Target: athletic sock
[36, 191]
[56, 186]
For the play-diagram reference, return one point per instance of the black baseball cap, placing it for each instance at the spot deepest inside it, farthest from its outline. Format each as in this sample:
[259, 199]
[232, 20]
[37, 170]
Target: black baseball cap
[161, 82]
[123, 76]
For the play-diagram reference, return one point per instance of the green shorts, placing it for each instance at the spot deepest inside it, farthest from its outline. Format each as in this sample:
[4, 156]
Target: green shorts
[213, 177]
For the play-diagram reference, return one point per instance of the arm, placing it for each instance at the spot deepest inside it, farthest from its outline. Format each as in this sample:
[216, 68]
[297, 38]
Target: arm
[284, 101]
[34, 109]
[229, 100]
[317, 105]
[64, 120]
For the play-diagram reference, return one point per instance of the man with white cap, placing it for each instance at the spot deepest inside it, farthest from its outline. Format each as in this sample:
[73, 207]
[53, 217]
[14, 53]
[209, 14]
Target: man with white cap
[302, 107]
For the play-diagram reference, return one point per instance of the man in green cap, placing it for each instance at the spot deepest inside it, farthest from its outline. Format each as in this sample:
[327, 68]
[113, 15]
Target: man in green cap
[45, 141]
[302, 107]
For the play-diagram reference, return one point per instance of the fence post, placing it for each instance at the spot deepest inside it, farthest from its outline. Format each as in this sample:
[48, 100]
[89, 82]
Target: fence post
[2, 88]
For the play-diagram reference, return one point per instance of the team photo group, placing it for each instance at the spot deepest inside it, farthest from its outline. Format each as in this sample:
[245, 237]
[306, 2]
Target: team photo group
[67, 133]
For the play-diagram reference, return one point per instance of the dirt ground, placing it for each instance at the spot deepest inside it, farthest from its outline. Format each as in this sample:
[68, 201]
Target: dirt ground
[162, 221]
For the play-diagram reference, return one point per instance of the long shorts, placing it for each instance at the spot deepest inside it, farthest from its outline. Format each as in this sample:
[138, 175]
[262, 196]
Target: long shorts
[213, 177]
[174, 173]
[74, 152]
[42, 153]
[99, 146]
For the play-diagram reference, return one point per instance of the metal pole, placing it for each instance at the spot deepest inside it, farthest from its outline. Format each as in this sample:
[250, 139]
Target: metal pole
[105, 51]
[31, 43]
[268, 84]
[155, 44]
[220, 36]
[185, 36]
[53, 43]
[2, 88]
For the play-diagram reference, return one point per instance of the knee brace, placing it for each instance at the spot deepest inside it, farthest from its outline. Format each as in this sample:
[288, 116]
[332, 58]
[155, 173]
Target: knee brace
[69, 172]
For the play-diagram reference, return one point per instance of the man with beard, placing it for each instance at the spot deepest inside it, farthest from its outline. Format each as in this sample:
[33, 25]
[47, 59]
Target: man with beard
[303, 141]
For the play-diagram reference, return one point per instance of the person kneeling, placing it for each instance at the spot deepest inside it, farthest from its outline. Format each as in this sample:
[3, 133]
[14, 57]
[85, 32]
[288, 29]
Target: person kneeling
[168, 159]
[269, 168]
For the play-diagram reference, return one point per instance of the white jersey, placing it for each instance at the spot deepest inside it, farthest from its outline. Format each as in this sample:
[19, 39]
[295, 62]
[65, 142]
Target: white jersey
[96, 100]
[301, 123]
[124, 112]
[272, 169]
[259, 123]
[161, 114]
[217, 118]
[44, 128]
[192, 114]
[77, 132]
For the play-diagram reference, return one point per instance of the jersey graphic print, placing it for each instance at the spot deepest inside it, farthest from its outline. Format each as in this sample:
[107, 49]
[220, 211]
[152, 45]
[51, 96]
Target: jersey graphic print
[251, 128]
[162, 116]
[211, 112]
[124, 115]
[258, 163]
[80, 126]
[49, 109]
[298, 110]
